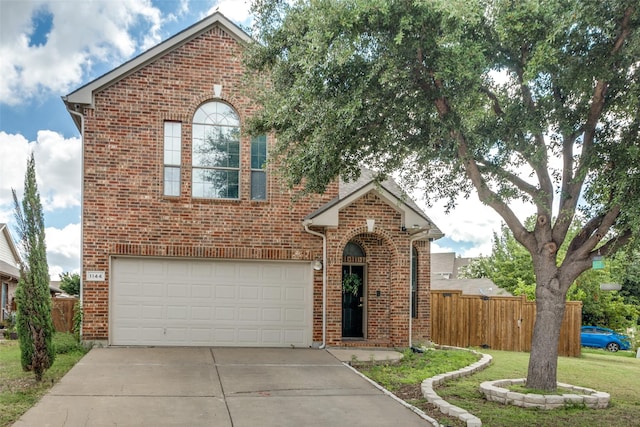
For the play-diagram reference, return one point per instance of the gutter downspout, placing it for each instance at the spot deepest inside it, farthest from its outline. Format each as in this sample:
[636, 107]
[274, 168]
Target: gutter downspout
[418, 235]
[75, 113]
[306, 224]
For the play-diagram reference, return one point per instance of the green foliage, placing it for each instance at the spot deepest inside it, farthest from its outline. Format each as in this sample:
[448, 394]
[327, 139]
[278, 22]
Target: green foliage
[350, 284]
[509, 266]
[481, 95]
[70, 283]
[65, 342]
[77, 320]
[602, 308]
[625, 270]
[18, 391]
[34, 322]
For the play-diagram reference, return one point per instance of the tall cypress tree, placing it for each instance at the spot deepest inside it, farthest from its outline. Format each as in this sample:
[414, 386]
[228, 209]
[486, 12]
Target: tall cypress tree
[34, 322]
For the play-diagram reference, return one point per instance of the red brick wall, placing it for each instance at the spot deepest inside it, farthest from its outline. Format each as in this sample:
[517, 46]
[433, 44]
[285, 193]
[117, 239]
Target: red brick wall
[387, 264]
[125, 212]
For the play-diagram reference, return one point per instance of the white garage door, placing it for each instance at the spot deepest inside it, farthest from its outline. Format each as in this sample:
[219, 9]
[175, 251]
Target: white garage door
[210, 303]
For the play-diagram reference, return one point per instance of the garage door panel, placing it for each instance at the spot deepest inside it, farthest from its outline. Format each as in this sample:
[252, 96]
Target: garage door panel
[249, 293]
[201, 291]
[201, 313]
[225, 313]
[210, 303]
[294, 315]
[294, 295]
[251, 314]
[129, 289]
[271, 293]
[151, 312]
[272, 315]
[177, 290]
[225, 291]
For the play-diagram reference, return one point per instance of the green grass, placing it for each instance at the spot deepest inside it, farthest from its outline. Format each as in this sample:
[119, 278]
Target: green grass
[615, 373]
[18, 389]
[609, 372]
[415, 367]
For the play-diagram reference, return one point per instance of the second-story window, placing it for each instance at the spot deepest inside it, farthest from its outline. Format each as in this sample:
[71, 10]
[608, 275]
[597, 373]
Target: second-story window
[258, 173]
[172, 156]
[216, 152]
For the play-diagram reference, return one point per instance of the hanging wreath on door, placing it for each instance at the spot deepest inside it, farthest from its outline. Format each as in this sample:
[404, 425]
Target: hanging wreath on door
[350, 284]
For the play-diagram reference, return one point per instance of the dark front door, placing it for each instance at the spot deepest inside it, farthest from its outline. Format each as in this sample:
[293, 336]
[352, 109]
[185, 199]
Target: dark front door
[353, 304]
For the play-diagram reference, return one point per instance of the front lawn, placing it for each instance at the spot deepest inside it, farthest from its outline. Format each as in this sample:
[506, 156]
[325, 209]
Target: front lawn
[615, 373]
[18, 389]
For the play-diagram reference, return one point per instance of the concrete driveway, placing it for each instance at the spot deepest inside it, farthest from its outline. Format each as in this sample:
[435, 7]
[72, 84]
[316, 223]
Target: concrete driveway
[221, 387]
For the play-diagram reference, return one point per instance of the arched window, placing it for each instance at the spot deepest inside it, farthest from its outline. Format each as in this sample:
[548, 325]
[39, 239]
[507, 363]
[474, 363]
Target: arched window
[353, 250]
[216, 152]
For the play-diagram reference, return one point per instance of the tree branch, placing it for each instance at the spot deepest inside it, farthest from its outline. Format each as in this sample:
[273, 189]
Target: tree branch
[495, 101]
[591, 234]
[569, 191]
[521, 184]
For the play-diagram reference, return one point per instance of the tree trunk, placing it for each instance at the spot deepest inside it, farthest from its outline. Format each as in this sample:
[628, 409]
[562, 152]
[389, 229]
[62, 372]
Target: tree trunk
[543, 360]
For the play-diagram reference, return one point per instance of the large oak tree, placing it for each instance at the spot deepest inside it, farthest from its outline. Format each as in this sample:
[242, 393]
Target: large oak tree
[536, 101]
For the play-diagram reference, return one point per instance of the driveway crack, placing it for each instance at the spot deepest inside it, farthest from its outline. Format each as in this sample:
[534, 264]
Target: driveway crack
[224, 395]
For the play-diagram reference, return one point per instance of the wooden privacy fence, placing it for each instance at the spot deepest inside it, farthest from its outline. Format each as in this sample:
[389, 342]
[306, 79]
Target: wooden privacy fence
[496, 322]
[62, 313]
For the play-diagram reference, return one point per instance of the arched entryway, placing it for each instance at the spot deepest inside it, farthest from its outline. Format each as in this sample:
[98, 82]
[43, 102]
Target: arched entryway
[353, 291]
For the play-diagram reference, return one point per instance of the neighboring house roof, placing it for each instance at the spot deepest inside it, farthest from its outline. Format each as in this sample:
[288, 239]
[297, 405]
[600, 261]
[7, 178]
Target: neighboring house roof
[469, 286]
[444, 277]
[84, 94]
[414, 219]
[9, 255]
[447, 265]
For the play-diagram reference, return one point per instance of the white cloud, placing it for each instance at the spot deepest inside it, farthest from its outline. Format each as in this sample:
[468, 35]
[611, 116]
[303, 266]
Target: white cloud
[63, 249]
[58, 177]
[470, 222]
[82, 34]
[235, 10]
[58, 169]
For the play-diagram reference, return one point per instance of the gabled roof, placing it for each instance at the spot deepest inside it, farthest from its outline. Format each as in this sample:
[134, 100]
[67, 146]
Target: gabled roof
[447, 265]
[414, 219]
[84, 95]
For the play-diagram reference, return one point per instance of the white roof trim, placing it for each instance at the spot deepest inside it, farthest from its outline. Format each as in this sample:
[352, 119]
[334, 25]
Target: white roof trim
[84, 95]
[410, 218]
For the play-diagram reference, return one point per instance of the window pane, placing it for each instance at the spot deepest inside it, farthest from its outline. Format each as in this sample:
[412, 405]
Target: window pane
[258, 152]
[258, 185]
[171, 181]
[172, 143]
[216, 113]
[216, 151]
[172, 157]
[216, 146]
[353, 250]
[215, 184]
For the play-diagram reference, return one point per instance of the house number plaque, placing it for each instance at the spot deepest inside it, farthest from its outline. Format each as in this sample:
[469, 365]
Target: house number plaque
[95, 276]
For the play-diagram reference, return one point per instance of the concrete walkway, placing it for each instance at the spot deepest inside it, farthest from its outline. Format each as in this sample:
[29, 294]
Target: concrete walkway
[222, 387]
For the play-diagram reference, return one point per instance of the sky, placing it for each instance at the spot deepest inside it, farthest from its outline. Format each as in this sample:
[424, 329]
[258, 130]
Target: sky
[50, 48]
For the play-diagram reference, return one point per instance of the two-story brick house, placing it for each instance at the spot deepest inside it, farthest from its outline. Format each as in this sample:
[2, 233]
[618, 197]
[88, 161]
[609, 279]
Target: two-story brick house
[189, 239]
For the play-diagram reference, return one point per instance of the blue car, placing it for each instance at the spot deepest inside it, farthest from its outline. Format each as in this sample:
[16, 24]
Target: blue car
[595, 336]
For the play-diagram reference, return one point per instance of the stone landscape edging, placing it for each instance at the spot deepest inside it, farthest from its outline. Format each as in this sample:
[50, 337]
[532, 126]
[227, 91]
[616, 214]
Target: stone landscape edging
[590, 398]
[444, 406]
